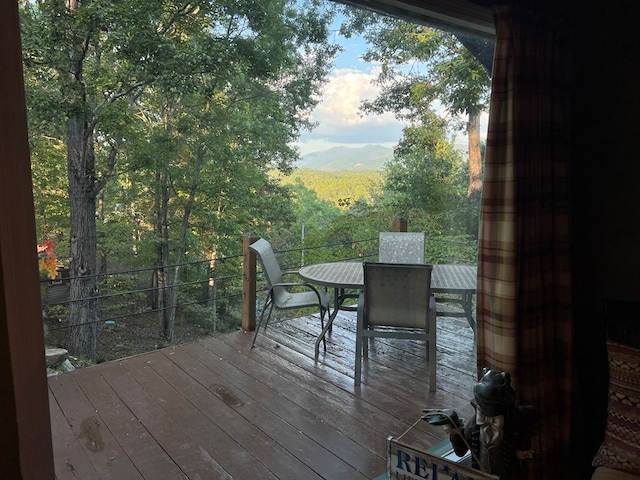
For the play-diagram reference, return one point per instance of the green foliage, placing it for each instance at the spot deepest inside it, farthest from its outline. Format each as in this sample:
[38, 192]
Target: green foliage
[194, 313]
[422, 67]
[171, 117]
[460, 249]
[341, 188]
[189, 114]
[51, 200]
[441, 67]
[427, 173]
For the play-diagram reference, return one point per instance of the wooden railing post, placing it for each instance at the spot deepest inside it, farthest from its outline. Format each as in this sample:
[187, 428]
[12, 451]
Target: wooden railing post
[248, 284]
[399, 224]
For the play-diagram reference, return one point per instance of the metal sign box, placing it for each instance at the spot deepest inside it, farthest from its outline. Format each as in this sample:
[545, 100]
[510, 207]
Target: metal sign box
[406, 463]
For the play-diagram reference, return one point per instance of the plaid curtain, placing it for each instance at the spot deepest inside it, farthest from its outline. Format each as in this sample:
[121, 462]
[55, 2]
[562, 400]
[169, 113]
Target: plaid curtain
[524, 278]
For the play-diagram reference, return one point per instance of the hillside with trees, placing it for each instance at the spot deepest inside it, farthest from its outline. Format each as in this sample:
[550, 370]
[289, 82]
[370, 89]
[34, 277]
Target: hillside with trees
[157, 108]
[162, 132]
[341, 188]
[355, 159]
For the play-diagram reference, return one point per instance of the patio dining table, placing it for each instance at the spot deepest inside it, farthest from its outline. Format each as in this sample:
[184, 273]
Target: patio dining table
[457, 281]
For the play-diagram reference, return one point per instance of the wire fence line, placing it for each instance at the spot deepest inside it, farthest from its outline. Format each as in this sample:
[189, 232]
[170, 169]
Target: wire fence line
[212, 296]
[131, 293]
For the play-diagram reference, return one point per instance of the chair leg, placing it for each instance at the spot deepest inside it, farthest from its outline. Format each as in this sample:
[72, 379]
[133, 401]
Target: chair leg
[269, 304]
[431, 345]
[432, 363]
[358, 370]
[365, 345]
[323, 312]
[359, 346]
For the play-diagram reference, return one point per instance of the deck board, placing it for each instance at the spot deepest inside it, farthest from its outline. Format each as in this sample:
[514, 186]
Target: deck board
[146, 454]
[280, 412]
[218, 409]
[211, 395]
[71, 461]
[96, 439]
[174, 437]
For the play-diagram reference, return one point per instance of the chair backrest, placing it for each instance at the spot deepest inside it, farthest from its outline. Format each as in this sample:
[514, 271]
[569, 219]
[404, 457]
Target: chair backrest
[270, 267]
[397, 295]
[401, 247]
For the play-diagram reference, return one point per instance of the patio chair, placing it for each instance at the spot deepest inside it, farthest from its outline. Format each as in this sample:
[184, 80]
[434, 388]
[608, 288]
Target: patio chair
[397, 303]
[280, 294]
[401, 247]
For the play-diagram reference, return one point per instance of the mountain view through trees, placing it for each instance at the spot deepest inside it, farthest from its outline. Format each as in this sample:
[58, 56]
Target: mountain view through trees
[162, 132]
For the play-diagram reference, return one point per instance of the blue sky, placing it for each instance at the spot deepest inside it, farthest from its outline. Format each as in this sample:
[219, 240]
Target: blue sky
[340, 121]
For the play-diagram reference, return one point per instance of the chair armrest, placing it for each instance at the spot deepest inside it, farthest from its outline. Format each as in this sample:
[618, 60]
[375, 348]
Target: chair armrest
[290, 272]
[298, 284]
[323, 298]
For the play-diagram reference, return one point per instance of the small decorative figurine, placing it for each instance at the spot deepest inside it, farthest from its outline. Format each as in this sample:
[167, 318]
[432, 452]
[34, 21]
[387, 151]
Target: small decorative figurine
[499, 435]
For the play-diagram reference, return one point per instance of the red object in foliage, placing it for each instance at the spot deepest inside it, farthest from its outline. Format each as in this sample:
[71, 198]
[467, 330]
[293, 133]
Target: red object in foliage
[47, 260]
[46, 247]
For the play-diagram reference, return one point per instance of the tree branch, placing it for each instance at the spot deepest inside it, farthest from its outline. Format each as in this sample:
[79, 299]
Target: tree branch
[111, 164]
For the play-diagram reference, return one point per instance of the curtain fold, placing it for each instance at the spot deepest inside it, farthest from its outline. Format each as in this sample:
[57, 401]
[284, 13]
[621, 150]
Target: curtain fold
[525, 321]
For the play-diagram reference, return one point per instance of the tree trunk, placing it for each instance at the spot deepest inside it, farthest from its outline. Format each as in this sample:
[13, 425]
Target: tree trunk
[84, 284]
[173, 293]
[81, 164]
[103, 259]
[162, 261]
[475, 155]
[212, 301]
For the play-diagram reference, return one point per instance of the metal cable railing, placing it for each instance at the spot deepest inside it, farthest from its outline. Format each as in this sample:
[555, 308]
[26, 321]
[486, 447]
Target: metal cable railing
[129, 294]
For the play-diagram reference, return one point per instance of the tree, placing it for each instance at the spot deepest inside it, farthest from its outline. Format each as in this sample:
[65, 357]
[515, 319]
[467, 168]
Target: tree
[229, 131]
[429, 174]
[420, 65]
[90, 65]
[90, 58]
[426, 171]
[50, 192]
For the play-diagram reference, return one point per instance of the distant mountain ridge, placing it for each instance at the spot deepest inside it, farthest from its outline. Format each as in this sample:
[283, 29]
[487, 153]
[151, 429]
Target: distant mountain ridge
[369, 157]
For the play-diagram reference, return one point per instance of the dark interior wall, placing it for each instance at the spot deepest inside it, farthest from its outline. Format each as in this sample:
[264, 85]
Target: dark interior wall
[618, 166]
[25, 442]
[606, 197]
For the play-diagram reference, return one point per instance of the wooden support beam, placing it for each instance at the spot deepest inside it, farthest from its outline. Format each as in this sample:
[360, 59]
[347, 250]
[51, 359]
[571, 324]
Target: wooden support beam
[399, 224]
[248, 284]
[25, 434]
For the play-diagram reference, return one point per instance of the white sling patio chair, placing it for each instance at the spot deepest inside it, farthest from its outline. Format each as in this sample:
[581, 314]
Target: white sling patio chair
[399, 296]
[280, 295]
[401, 247]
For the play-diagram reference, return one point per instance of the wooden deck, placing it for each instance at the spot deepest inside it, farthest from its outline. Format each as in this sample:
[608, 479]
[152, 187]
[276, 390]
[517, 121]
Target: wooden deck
[217, 409]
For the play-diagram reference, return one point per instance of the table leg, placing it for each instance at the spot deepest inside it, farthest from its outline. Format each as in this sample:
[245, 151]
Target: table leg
[329, 324]
[339, 296]
[467, 304]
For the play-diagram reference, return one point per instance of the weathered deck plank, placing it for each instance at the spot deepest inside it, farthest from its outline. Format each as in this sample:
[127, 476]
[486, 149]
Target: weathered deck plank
[210, 393]
[220, 409]
[280, 413]
[145, 453]
[98, 443]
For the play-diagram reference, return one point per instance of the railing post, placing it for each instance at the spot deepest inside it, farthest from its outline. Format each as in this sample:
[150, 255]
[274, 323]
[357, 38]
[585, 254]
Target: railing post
[248, 284]
[399, 224]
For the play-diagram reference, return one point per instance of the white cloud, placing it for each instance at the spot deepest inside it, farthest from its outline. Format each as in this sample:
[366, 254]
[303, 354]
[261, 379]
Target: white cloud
[340, 121]
[346, 89]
